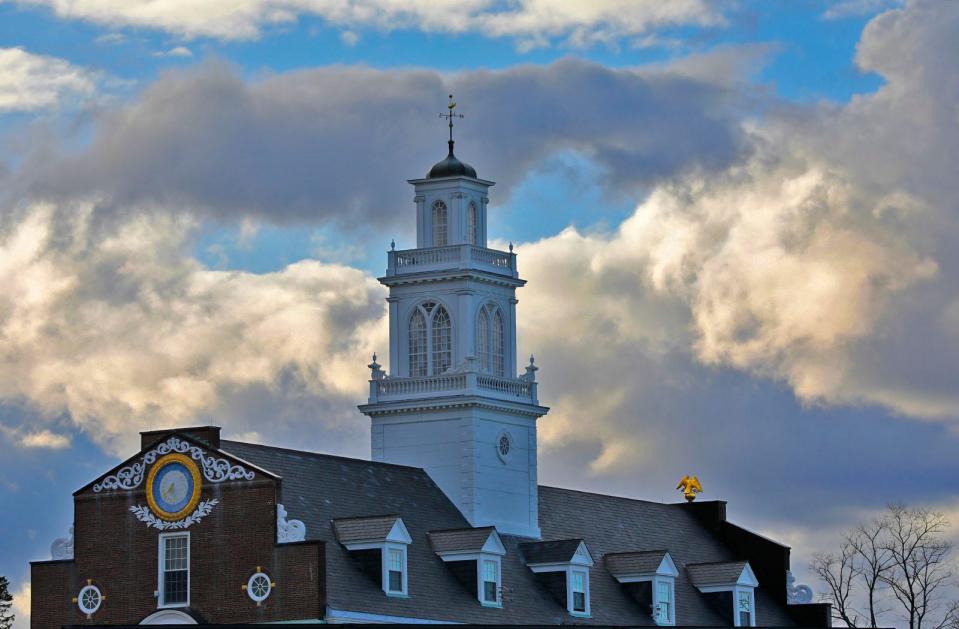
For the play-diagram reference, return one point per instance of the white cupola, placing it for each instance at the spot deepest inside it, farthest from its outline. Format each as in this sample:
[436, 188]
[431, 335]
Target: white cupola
[453, 403]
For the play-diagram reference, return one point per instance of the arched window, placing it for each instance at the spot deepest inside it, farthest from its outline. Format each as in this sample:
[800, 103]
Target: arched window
[491, 340]
[439, 224]
[497, 354]
[442, 341]
[418, 355]
[431, 340]
[471, 236]
[482, 339]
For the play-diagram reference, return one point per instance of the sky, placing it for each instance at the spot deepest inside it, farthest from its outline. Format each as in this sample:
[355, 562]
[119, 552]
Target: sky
[737, 219]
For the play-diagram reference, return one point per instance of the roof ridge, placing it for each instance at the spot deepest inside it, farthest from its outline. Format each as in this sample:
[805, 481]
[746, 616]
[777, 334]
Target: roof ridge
[367, 517]
[463, 528]
[716, 563]
[636, 552]
[594, 493]
[323, 455]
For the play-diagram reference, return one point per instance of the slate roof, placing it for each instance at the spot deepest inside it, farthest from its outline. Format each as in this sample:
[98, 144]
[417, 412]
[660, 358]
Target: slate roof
[470, 540]
[715, 573]
[631, 563]
[318, 489]
[362, 529]
[556, 551]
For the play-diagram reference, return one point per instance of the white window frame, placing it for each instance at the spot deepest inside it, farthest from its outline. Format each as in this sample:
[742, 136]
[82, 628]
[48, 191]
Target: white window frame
[443, 231]
[481, 580]
[750, 592]
[388, 550]
[161, 569]
[429, 319]
[670, 583]
[585, 613]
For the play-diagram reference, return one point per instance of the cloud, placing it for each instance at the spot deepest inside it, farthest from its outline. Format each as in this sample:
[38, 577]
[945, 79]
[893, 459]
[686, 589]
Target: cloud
[176, 51]
[21, 606]
[321, 145]
[30, 82]
[116, 327]
[42, 439]
[532, 22]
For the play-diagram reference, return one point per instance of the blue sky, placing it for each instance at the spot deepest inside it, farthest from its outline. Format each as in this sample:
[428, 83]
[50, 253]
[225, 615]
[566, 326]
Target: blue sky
[736, 222]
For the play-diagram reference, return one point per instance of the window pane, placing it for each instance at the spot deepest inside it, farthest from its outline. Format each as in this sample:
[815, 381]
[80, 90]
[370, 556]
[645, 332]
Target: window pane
[396, 560]
[498, 339]
[175, 569]
[482, 339]
[663, 615]
[418, 344]
[489, 570]
[439, 224]
[489, 591]
[579, 582]
[579, 601]
[744, 619]
[396, 581]
[442, 341]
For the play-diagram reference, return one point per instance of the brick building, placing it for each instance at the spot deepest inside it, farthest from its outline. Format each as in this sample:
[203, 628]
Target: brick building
[446, 523]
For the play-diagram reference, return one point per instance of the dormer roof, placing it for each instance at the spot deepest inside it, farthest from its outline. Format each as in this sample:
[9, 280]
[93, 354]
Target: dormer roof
[380, 528]
[556, 552]
[648, 563]
[467, 541]
[721, 574]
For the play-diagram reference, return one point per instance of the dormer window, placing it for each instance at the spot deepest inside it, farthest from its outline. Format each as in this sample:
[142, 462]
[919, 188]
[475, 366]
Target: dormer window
[378, 544]
[473, 556]
[731, 585]
[649, 577]
[563, 568]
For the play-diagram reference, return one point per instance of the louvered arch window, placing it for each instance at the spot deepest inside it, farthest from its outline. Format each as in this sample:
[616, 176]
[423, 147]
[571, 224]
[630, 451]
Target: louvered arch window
[491, 340]
[472, 237]
[430, 340]
[439, 224]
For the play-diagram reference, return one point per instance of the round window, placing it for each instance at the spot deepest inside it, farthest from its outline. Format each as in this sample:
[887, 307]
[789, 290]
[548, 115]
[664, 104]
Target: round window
[89, 599]
[504, 445]
[259, 587]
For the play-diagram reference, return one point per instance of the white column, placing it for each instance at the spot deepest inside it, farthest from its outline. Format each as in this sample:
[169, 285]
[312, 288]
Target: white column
[420, 221]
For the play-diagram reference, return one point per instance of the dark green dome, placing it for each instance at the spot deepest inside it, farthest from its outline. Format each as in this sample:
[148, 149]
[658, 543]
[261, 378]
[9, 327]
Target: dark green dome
[451, 167]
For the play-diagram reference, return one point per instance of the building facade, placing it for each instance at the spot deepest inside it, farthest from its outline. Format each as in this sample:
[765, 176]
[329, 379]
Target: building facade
[447, 523]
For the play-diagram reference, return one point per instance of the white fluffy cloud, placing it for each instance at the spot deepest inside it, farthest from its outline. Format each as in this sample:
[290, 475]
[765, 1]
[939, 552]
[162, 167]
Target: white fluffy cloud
[30, 82]
[534, 22]
[122, 330]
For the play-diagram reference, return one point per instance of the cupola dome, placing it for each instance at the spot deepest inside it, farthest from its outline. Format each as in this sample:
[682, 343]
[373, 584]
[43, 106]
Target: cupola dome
[451, 167]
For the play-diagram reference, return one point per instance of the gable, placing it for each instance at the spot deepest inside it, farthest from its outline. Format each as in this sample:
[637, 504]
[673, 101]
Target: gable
[216, 466]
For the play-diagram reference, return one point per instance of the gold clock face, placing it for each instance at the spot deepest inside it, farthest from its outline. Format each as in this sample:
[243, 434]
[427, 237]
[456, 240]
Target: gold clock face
[173, 487]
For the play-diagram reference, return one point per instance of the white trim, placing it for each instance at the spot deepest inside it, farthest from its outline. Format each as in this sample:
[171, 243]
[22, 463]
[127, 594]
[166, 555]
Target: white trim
[752, 605]
[481, 580]
[671, 583]
[80, 603]
[385, 564]
[249, 587]
[168, 617]
[161, 556]
[333, 615]
[569, 591]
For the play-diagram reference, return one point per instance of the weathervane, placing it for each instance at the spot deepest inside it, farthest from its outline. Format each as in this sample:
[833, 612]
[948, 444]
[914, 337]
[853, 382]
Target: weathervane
[449, 115]
[690, 487]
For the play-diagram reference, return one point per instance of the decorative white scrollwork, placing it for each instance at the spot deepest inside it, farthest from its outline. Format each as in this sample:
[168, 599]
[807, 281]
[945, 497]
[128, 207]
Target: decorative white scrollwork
[215, 470]
[62, 547]
[797, 594]
[288, 530]
[202, 510]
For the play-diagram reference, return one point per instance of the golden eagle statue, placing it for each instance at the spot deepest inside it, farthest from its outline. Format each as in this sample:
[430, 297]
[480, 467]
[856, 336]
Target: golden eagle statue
[690, 487]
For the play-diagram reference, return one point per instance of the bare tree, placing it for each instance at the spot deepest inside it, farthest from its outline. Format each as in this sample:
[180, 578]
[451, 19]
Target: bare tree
[874, 560]
[897, 561]
[839, 572]
[918, 554]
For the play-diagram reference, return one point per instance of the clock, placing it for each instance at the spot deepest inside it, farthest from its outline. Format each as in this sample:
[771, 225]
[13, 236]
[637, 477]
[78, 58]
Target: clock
[173, 487]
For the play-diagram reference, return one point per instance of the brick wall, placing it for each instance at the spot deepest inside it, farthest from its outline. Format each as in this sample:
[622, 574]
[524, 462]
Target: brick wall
[119, 554]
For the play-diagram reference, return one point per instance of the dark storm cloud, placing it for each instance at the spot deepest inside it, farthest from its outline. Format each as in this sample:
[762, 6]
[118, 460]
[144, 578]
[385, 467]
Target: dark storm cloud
[337, 143]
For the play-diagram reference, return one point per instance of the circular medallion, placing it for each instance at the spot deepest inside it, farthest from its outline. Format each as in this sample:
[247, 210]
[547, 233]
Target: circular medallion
[259, 586]
[504, 445]
[173, 487]
[89, 599]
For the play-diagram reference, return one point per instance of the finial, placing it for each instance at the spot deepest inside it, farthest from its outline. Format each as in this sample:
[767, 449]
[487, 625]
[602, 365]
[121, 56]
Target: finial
[393, 244]
[511, 251]
[449, 115]
[690, 486]
[374, 367]
[531, 359]
[531, 369]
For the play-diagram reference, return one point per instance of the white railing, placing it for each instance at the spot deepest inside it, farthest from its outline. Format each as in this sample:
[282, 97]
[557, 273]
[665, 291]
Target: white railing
[395, 389]
[450, 257]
